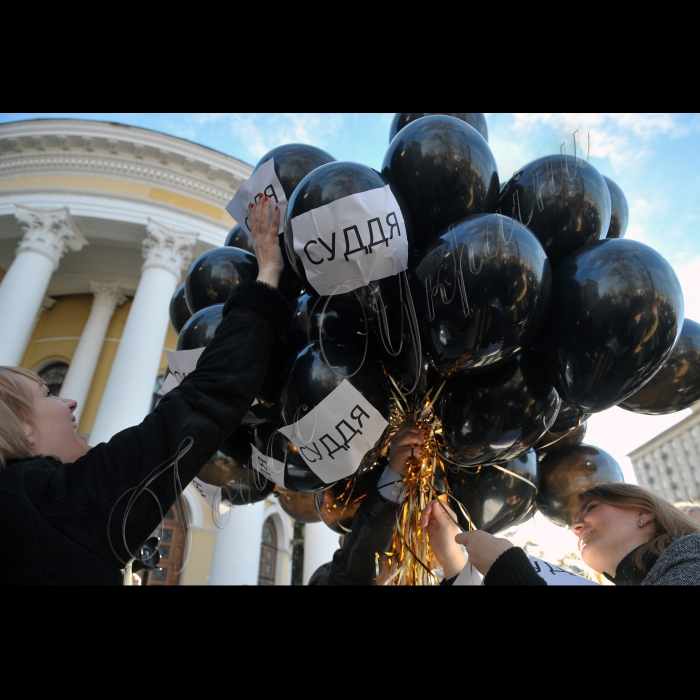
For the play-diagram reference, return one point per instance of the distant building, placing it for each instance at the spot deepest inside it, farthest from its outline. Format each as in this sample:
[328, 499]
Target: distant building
[669, 464]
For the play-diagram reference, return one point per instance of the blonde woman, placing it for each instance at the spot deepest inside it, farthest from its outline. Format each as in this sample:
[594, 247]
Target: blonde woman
[626, 533]
[75, 514]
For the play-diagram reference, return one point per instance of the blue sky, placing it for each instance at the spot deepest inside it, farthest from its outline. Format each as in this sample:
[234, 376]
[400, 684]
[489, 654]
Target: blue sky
[654, 158]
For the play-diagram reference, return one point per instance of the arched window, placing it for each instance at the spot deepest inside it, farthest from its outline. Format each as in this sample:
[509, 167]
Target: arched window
[268, 554]
[53, 375]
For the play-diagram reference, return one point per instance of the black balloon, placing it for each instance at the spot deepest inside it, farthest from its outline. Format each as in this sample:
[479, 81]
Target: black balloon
[475, 119]
[444, 170]
[338, 504]
[498, 415]
[568, 429]
[311, 380]
[200, 328]
[293, 162]
[230, 470]
[179, 311]
[321, 187]
[240, 237]
[495, 500]
[567, 206]
[214, 275]
[339, 317]
[300, 506]
[297, 475]
[481, 291]
[614, 318]
[677, 384]
[568, 473]
[620, 214]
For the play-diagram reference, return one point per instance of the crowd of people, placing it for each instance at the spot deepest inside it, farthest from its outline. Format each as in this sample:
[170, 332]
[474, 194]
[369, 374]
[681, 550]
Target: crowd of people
[75, 514]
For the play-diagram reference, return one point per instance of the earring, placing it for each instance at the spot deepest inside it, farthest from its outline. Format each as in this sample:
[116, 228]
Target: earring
[640, 523]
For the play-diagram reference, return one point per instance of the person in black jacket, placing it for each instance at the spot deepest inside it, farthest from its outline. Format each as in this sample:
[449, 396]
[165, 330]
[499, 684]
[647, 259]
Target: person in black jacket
[75, 514]
[354, 564]
[626, 533]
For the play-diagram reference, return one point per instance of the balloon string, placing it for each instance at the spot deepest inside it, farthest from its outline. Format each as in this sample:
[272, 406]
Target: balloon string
[320, 338]
[566, 434]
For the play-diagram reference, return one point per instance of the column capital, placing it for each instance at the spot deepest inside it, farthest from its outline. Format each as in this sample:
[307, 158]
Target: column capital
[107, 294]
[168, 248]
[51, 232]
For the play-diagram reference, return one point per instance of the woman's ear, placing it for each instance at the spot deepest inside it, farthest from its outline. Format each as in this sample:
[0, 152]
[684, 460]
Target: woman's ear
[646, 518]
[29, 432]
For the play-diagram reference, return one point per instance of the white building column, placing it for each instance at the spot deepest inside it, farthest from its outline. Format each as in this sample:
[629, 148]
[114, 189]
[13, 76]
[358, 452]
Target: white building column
[82, 368]
[49, 235]
[320, 544]
[129, 391]
[236, 556]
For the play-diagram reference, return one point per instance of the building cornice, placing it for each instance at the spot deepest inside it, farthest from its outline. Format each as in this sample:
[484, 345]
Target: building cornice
[100, 149]
[667, 435]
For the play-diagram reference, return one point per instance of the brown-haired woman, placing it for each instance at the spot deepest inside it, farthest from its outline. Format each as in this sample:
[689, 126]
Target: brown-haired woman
[75, 514]
[625, 532]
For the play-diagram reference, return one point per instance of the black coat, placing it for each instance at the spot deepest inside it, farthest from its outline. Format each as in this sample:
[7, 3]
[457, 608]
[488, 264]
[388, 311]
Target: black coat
[62, 523]
[354, 564]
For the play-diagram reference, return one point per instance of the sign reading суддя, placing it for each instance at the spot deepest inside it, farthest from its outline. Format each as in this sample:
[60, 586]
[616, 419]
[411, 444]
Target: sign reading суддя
[353, 241]
[263, 181]
[334, 437]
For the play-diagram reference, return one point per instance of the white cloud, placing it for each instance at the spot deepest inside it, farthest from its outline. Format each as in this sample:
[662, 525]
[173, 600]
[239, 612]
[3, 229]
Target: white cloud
[622, 137]
[259, 133]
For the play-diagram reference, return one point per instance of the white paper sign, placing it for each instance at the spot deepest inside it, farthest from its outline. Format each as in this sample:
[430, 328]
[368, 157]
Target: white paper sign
[556, 576]
[272, 469]
[469, 576]
[352, 241]
[263, 181]
[181, 363]
[215, 496]
[335, 436]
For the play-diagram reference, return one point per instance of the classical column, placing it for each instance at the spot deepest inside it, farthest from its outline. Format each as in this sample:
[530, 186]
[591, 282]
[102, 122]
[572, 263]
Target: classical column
[236, 555]
[129, 391]
[320, 543]
[48, 235]
[82, 368]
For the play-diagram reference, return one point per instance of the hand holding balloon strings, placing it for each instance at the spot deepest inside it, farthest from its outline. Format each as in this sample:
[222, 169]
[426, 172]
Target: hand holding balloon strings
[439, 521]
[266, 242]
[406, 443]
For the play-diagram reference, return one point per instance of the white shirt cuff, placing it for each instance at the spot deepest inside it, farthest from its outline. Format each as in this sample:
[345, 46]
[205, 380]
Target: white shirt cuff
[390, 486]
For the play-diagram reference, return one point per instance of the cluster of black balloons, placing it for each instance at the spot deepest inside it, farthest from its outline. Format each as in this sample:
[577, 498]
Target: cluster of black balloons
[523, 296]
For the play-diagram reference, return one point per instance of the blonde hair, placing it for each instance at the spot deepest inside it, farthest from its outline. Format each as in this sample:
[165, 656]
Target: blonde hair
[669, 523]
[16, 410]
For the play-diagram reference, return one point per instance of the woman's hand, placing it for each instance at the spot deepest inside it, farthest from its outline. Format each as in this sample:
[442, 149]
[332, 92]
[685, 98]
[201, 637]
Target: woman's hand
[442, 534]
[407, 440]
[483, 549]
[266, 242]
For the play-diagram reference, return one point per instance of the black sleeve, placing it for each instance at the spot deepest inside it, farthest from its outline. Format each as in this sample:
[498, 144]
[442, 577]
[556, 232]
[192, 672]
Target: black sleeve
[87, 500]
[513, 568]
[354, 563]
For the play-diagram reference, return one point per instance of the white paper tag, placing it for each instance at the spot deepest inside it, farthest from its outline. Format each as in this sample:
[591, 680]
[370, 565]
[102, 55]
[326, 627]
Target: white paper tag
[264, 180]
[215, 496]
[271, 468]
[182, 362]
[556, 576]
[169, 383]
[353, 241]
[336, 435]
[469, 576]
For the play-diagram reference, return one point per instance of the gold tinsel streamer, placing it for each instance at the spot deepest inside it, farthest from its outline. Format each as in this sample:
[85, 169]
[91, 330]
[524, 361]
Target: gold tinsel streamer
[410, 553]
[411, 556]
